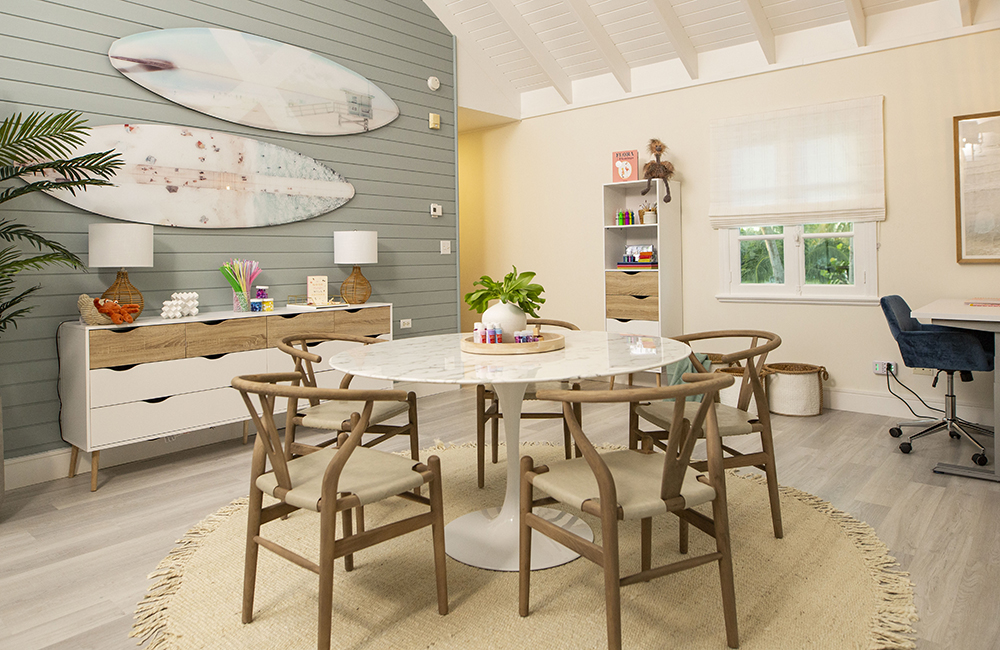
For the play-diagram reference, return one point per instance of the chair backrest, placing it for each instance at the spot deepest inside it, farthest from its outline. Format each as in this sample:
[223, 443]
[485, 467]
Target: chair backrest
[751, 358]
[684, 432]
[270, 386]
[297, 346]
[554, 323]
[897, 314]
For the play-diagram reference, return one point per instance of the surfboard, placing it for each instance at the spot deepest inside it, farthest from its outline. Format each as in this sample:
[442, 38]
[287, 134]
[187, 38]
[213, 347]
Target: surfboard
[195, 178]
[253, 81]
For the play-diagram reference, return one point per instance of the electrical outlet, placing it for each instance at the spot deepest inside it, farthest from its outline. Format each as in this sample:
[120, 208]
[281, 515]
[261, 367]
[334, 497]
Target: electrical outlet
[923, 371]
[405, 323]
[883, 367]
[446, 247]
[436, 210]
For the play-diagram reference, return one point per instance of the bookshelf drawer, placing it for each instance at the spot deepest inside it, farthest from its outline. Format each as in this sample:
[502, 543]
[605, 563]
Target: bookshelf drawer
[631, 283]
[633, 307]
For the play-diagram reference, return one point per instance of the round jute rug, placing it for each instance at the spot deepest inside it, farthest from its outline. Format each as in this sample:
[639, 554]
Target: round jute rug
[828, 584]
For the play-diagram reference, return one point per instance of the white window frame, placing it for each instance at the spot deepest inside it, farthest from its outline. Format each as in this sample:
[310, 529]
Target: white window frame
[795, 290]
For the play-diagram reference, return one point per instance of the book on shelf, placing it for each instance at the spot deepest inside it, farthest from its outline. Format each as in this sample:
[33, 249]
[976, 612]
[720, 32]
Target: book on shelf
[637, 265]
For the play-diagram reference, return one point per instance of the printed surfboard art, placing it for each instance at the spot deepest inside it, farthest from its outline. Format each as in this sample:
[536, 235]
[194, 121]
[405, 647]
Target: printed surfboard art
[253, 81]
[195, 178]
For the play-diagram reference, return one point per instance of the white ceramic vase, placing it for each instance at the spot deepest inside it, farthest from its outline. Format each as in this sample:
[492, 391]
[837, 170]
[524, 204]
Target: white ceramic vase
[510, 317]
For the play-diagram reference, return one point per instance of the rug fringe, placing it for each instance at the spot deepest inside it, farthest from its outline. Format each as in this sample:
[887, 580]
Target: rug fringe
[891, 627]
[151, 623]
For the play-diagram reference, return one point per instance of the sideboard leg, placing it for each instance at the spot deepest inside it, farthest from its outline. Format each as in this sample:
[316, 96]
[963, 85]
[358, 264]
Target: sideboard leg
[95, 457]
[72, 461]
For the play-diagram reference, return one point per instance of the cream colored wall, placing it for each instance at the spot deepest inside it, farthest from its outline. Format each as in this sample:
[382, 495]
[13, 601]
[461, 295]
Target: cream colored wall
[539, 202]
[471, 222]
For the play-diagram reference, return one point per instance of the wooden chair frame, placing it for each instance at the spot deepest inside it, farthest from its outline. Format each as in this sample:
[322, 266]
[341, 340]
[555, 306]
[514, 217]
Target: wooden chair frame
[268, 447]
[491, 413]
[676, 461]
[752, 360]
[297, 346]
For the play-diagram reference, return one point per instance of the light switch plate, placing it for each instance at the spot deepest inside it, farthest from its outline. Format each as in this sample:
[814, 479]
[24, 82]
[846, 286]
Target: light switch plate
[445, 247]
[436, 210]
[405, 323]
[434, 121]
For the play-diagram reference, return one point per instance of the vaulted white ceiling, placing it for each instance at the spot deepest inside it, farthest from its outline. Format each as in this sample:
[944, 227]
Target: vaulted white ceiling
[535, 56]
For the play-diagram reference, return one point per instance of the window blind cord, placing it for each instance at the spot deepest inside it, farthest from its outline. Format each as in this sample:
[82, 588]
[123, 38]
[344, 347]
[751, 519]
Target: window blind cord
[900, 398]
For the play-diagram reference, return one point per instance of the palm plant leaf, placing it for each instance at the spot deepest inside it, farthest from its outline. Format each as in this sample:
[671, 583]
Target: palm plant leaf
[39, 136]
[47, 185]
[99, 163]
[12, 232]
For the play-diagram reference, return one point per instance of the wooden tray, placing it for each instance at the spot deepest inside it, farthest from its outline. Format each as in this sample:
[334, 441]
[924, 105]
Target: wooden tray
[548, 343]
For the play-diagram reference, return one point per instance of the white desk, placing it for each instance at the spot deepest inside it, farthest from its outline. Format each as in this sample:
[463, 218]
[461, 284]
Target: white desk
[489, 538]
[956, 312]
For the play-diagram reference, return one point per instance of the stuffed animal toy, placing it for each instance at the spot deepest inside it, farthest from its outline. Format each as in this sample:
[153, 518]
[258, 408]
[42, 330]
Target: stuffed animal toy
[118, 313]
[656, 169]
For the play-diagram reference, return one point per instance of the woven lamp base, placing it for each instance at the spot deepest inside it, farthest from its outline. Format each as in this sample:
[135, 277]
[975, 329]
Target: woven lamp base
[123, 291]
[356, 290]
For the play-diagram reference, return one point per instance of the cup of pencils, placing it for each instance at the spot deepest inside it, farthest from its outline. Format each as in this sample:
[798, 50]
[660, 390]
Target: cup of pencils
[240, 275]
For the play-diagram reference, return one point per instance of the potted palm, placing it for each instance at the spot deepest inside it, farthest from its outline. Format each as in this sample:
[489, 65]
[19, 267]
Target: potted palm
[36, 149]
[518, 298]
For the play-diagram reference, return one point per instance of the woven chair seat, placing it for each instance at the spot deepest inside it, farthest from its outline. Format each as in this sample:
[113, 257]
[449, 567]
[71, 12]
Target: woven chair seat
[637, 478]
[336, 415]
[732, 421]
[369, 474]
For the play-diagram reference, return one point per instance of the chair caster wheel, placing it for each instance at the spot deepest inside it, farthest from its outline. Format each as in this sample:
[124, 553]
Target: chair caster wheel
[980, 459]
[895, 432]
[905, 447]
[954, 435]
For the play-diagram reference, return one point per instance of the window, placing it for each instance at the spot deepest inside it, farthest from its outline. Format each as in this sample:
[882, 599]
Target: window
[815, 262]
[796, 196]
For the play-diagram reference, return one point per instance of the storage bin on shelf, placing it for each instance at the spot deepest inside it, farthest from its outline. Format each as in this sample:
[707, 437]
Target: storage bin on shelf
[795, 388]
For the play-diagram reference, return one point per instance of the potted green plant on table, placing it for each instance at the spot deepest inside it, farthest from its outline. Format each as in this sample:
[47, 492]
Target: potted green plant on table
[36, 149]
[518, 298]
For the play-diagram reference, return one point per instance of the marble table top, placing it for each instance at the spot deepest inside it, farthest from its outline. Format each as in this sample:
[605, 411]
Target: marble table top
[439, 360]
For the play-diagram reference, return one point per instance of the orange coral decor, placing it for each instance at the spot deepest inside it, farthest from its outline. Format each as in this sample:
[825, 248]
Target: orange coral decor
[117, 312]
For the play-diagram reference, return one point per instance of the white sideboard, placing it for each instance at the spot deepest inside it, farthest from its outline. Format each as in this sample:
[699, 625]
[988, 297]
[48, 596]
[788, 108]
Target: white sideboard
[156, 377]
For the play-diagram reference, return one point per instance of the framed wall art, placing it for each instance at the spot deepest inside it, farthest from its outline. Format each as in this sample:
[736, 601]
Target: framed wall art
[977, 188]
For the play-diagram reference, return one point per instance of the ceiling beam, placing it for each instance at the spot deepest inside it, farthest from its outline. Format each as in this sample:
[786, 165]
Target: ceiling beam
[856, 14]
[664, 12]
[967, 10]
[602, 41]
[761, 28]
[535, 48]
[471, 46]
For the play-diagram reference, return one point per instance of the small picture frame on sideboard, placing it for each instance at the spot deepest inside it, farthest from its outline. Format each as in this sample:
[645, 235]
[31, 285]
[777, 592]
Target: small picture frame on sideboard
[977, 188]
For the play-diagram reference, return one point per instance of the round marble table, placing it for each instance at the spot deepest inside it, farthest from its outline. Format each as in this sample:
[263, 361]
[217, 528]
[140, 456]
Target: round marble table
[489, 538]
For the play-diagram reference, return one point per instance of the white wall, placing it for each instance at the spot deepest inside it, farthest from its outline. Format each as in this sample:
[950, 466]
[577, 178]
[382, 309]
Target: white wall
[539, 201]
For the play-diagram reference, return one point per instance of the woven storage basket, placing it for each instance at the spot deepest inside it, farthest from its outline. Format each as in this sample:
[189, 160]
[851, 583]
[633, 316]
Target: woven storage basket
[731, 396]
[89, 313]
[795, 388]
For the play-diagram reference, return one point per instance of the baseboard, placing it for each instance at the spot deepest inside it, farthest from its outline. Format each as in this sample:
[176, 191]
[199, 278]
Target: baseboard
[887, 405]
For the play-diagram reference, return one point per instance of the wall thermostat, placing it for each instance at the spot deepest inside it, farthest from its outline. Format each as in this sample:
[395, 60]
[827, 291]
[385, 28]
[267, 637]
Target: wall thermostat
[433, 83]
[436, 210]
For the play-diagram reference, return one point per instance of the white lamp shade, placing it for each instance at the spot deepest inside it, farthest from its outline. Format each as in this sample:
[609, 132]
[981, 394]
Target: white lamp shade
[355, 247]
[120, 245]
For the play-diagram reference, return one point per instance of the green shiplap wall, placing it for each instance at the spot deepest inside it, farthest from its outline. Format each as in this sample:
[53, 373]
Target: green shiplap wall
[53, 57]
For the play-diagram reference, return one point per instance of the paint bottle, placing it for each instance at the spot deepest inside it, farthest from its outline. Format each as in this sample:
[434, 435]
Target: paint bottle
[499, 331]
[478, 335]
[491, 334]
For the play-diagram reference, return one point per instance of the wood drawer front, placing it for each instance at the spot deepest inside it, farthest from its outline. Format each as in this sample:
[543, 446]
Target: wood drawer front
[635, 283]
[636, 327]
[135, 421]
[363, 322]
[278, 361]
[221, 337]
[632, 307]
[136, 345]
[278, 327]
[163, 378]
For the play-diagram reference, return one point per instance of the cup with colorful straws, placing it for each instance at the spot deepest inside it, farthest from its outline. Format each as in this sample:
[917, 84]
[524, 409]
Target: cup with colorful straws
[240, 274]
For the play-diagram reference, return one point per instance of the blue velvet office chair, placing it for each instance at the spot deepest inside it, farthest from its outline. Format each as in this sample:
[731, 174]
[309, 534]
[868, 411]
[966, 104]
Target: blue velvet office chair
[948, 350]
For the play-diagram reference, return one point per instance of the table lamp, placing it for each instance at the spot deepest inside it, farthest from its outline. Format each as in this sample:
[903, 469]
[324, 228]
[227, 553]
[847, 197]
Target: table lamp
[355, 247]
[120, 245]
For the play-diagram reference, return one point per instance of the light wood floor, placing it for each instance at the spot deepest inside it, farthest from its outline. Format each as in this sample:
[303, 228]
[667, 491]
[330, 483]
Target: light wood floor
[73, 564]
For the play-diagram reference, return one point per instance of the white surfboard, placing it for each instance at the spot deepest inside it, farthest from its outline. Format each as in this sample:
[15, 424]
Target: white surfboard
[195, 178]
[252, 80]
